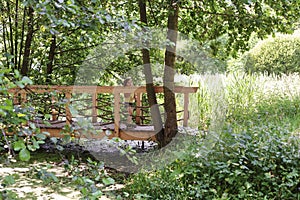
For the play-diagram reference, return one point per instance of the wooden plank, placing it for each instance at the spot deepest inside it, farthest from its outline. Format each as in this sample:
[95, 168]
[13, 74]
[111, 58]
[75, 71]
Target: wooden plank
[54, 112]
[117, 117]
[137, 135]
[23, 98]
[186, 109]
[68, 112]
[94, 108]
[138, 108]
[101, 89]
[115, 90]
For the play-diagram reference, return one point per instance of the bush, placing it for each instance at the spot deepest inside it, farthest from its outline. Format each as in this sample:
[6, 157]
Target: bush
[13, 119]
[275, 55]
[259, 163]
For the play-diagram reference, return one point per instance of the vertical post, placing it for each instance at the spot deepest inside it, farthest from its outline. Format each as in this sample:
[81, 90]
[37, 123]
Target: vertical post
[94, 107]
[23, 97]
[16, 99]
[186, 109]
[53, 111]
[138, 108]
[117, 113]
[68, 112]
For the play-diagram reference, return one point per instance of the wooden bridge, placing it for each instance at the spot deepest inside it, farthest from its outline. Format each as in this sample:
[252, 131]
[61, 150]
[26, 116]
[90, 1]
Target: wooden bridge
[100, 107]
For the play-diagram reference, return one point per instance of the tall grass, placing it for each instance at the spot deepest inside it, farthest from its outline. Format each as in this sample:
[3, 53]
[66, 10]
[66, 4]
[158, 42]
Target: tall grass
[252, 146]
[244, 99]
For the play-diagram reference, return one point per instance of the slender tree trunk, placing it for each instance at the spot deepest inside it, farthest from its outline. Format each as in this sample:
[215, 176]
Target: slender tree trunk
[10, 29]
[28, 41]
[10, 32]
[51, 59]
[16, 33]
[4, 41]
[155, 113]
[169, 73]
[22, 38]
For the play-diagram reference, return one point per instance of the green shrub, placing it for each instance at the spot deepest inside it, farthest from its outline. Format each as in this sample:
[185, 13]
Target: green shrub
[259, 163]
[13, 118]
[275, 55]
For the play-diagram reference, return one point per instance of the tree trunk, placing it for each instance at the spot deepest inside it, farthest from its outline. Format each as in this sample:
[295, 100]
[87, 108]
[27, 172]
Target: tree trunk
[51, 59]
[4, 41]
[16, 33]
[154, 109]
[22, 38]
[28, 41]
[11, 39]
[169, 73]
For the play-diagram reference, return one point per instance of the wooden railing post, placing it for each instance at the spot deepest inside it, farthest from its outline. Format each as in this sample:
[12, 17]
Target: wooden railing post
[186, 109]
[54, 112]
[138, 108]
[16, 99]
[68, 112]
[117, 117]
[23, 97]
[94, 107]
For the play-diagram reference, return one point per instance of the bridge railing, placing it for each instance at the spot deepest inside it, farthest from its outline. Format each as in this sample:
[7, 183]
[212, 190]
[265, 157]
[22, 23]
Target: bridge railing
[21, 96]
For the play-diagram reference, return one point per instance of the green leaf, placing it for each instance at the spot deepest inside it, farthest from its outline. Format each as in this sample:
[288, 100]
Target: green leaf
[41, 136]
[8, 180]
[24, 155]
[35, 144]
[27, 81]
[60, 148]
[84, 191]
[40, 142]
[54, 140]
[30, 147]
[18, 145]
[32, 125]
[98, 193]
[20, 84]
[108, 181]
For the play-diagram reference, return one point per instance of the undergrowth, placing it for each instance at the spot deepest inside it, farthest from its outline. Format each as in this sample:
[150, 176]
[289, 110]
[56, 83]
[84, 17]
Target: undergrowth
[253, 154]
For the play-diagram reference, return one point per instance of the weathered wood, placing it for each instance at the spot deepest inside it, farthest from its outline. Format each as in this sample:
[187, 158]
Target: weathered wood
[138, 109]
[186, 109]
[94, 108]
[68, 112]
[117, 117]
[143, 134]
[23, 98]
[101, 89]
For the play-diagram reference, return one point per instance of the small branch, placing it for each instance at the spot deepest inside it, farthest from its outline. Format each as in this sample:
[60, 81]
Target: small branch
[8, 144]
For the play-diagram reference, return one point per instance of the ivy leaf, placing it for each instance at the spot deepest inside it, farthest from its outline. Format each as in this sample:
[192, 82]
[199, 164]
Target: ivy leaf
[9, 180]
[27, 81]
[18, 145]
[98, 193]
[24, 155]
[54, 140]
[41, 136]
[20, 84]
[35, 144]
[108, 181]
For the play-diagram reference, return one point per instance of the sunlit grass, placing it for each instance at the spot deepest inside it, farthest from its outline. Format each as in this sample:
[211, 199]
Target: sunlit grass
[242, 98]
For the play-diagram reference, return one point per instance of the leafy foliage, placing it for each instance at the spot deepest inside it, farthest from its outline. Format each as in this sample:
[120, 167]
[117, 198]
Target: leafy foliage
[277, 55]
[14, 118]
[255, 155]
[257, 163]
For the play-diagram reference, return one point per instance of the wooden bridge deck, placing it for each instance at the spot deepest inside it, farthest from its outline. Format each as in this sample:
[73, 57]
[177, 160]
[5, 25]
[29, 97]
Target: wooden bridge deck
[99, 131]
[115, 126]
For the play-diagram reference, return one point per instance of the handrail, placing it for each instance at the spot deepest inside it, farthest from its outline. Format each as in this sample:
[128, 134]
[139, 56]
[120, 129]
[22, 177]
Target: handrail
[95, 90]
